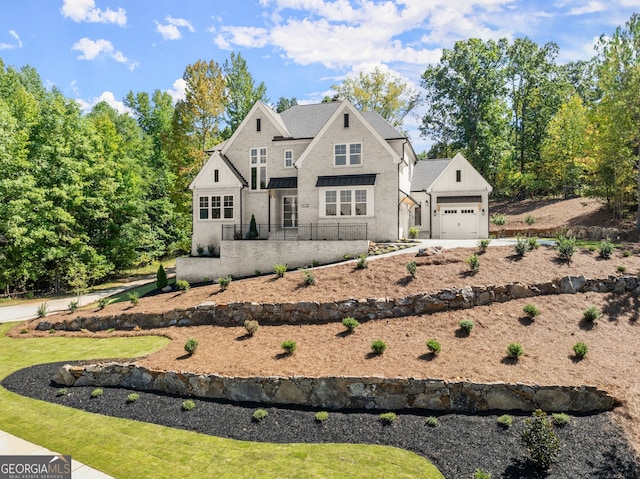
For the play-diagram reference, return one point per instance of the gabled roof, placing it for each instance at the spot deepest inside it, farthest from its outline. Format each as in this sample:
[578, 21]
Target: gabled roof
[215, 156]
[265, 110]
[425, 173]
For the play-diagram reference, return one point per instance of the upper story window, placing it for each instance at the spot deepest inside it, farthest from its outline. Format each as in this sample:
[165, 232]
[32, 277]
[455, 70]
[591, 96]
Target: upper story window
[258, 124]
[258, 161]
[288, 158]
[347, 154]
[216, 176]
[458, 176]
[346, 120]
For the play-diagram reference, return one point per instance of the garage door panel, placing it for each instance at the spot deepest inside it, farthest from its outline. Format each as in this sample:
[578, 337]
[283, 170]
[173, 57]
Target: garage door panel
[458, 221]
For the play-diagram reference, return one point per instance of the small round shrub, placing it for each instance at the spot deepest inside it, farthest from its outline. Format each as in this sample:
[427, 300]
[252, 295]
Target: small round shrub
[322, 416]
[580, 349]
[498, 219]
[62, 392]
[183, 285]
[224, 282]
[289, 346]
[483, 244]
[540, 440]
[606, 249]
[505, 421]
[280, 269]
[309, 278]
[133, 397]
[560, 419]
[466, 325]
[191, 346]
[474, 263]
[388, 417]
[591, 314]
[73, 306]
[134, 298]
[412, 267]
[521, 247]
[251, 325]
[188, 405]
[481, 474]
[566, 247]
[350, 323]
[259, 414]
[43, 309]
[378, 346]
[622, 269]
[103, 302]
[515, 350]
[531, 310]
[96, 393]
[433, 346]
[530, 220]
[431, 421]
[532, 243]
[362, 262]
[413, 232]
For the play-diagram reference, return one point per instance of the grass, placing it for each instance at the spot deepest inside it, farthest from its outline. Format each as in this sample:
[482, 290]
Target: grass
[127, 449]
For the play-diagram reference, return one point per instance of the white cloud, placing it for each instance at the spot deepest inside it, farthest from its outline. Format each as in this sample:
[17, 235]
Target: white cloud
[89, 49]
[86, 11]
[107, 97]
[171, 31]
[178, 89]
[10, 46]
[242, 36]
[592, 7]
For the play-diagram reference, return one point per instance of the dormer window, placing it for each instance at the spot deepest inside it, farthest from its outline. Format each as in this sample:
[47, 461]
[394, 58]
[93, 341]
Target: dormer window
[258, 124]
[346, 120]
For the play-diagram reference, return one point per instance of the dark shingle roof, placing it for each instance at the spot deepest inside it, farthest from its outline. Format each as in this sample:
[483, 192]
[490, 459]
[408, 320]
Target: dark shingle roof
[306, 121]
[282, 183]
[347, 180]
[425, 173]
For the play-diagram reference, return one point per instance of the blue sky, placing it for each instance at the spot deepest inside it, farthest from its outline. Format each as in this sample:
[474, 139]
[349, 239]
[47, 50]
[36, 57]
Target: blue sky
[96, 50]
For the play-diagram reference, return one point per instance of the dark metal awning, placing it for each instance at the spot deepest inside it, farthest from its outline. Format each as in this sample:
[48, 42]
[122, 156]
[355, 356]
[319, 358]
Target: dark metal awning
[347, 180]
[283, 183]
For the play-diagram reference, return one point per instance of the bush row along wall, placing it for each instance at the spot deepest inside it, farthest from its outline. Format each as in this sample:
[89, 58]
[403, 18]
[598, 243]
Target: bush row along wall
[596, 233]
[310, 312]
[344, 392]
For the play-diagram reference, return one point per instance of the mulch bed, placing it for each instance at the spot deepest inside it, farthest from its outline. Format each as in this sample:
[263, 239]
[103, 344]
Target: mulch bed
[593, 446]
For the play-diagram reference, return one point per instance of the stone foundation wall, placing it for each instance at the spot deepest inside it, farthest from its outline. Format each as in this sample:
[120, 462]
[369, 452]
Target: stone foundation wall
[345, 392]
[596, 233]
[311, 312]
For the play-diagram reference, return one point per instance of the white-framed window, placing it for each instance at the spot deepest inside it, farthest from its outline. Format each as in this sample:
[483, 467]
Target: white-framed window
[347, 154]
[346, 202]
[215, 206]
[288, 158]
[258, 162]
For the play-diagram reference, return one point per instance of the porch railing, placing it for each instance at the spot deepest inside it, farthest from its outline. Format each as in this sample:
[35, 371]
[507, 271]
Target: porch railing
[303, 232]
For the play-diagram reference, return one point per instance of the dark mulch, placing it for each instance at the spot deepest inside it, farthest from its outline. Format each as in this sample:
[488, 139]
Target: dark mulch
[592, 446]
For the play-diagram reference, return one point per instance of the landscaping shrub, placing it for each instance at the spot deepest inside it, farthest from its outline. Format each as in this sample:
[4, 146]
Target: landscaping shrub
[322, 416]
[412, 267]
[378, 346]
[183, 285]
[280, 269]
[309, 278]
[474, 263]
[259, 414]
[52, 331]
[388, 417]
[413, 232]
[289, 346]
[42, 310]
[431, 421]
[433, 346]
[566, 247]
[531, 310]
[505, 421]
[62, 392]
[560, 419]
[133, 397]
[515, 350]
[188, 405]
[521, 247]
[530, 220]
[626, 253]
[161, 278]
[253, 229]
[73, 306]
[466, 325]
[591, 314]
[211, 249]
[111, 330]
[103, 302]
[580, 349]
[191, 346]
[540, 440]
[362, 262]
[498, 219]
[350, 323]
[532, 243]
[315, 263]
[200, 250]
[134, 298]
[251, 325]
[622, 269]
[483, 244]
[96, 393]
[606, 248]
[481, 474]
[224, 282]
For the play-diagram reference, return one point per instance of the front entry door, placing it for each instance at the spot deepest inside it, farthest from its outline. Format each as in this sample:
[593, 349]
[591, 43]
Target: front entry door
[290, 211]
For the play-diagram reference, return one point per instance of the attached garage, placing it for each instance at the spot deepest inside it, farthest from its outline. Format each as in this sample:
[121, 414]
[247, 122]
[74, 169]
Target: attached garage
[453, 199]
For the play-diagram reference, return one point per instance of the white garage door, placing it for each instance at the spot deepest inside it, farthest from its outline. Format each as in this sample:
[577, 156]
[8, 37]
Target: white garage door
[458, 221]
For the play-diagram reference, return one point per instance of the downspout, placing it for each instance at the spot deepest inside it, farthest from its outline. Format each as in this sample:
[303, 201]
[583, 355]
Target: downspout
[429, 213]
[399, 190]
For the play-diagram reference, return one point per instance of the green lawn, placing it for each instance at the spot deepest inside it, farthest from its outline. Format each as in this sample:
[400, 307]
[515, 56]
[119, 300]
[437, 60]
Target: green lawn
[130, 449]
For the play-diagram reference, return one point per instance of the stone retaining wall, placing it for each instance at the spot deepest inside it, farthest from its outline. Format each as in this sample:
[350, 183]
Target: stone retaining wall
[596, 233]
[345, 392]
[311, 312]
